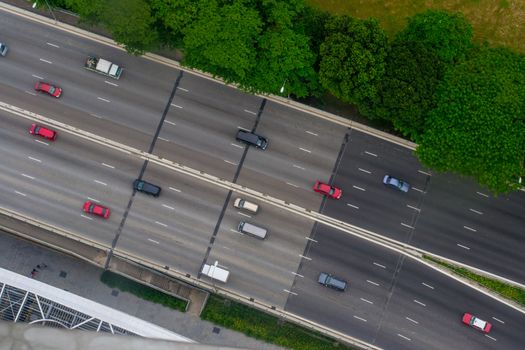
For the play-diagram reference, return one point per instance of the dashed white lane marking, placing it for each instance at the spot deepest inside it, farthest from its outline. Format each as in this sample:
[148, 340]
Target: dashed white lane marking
[168, 122]
[167, 206]
[408, 226]
[28, 176]
[46, 61]
[311, 239]
[483, 194]
[38, 77]
[353, 206]
[360, 318]
[294, 273]
[96, 116]
[418, 302]
[243, 214]
[305, 257]
[232, 163]
[359, 188]
[86, 217]
[365, 171]
[497, 319]
[161, 224]
[287, 291]
[311, 133]
[110, 83]
[366, 301]
[423, 172]
[411, 320]
[163, 139]
[236, 145]
[242, 128]
[100, 182]
[103, 99]
[382, 266]
[488, 336]
[247, 111]
[174, 189]
[469, 228]
[234, 230]
[54, 45]
[42, 142]
[36, 160]
[374, 283]
[291, 184]
[154, 241]
[371, 154]
[30, 93]
[20, 193]
[411, 207]
[463, 246]
[402, 336]
[476, 211]
[183, 89]
[305, 150]
[298, 167]
[93, 199]
[427, 285]
[174, 105]
[417, 189]
[109, 166]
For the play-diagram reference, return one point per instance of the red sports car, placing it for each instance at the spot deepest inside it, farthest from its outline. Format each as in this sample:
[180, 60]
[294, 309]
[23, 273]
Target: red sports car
[96, 209]
[476, 323]
[49, 89]
[327, 190]
[46, 133]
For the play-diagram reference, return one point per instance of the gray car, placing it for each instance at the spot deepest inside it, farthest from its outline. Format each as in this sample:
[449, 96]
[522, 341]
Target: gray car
[3, 49]
[396, 183]
[331, 281]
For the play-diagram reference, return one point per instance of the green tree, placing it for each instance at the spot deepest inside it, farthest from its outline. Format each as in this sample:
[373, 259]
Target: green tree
[353, 58]
[478, 126]
[131, 24]
[88, 10]
[449, 34]
[222, 39]
[173, 16]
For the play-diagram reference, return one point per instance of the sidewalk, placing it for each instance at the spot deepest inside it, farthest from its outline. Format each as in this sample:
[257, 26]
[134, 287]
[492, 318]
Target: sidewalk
[83, 279]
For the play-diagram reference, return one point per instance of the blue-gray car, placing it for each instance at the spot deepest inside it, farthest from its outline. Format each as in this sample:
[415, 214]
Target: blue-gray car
[396, 183]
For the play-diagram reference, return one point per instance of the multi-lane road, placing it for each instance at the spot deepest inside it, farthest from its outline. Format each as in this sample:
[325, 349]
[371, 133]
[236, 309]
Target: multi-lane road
[391, 301]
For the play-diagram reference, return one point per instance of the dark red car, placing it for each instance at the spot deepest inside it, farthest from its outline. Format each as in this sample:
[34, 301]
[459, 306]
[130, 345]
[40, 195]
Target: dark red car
[96, 209]
[476, 323]
[327, 190]
[46, 133]
[49, 89]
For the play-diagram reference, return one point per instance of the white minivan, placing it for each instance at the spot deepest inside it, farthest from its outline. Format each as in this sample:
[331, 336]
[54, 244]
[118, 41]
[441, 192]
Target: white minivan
[252, 230]
[240, 203]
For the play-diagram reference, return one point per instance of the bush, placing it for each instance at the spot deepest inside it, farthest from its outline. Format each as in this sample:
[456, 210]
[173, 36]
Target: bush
[124, 284]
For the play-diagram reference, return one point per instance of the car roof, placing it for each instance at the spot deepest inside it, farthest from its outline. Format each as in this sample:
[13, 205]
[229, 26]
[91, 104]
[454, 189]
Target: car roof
[479, 323]
[45, 131]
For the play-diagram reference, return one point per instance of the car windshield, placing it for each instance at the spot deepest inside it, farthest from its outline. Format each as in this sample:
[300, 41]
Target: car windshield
[51, 89]
[332, 190]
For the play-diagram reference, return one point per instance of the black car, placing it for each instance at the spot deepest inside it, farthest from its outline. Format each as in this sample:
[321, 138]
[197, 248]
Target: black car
[146, 187]
[252, 139]
[332, 282]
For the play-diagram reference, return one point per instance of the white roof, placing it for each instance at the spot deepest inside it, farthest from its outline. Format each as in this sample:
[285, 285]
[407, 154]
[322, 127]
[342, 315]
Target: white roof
[479, 323]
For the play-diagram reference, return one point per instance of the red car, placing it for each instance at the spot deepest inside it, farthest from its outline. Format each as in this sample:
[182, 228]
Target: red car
[96, 209]
[327, 190]
[42, 131]
[476, 323]
[49, 89]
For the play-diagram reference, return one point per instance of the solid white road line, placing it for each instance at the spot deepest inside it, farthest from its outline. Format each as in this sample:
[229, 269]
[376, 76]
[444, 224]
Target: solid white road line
[161, 224]
[305, 150]
[167, 206]
[469, 228]
[168, 122]
[411, 207]
[93, 199]
[109, 166]
[287, 291]
[20, 193]
[476, 211]
[482, 194]
[418, 302]
[383, 266]
[174, 105]
[42, 142]
[410, 227]
[366, 301]
[463, 246]
[232, 163]
[29, 177]
[298, 167]
[100, 182]
[427, 285]
[183, 89]
[371, 154]
[353, 206]
[360, 318]
[43, 60]
[411, 320]
[311, 133]
[305, 257]
[402, 336]
[110, 83]
[374, 283]
[103, 99]
[174, 189]
[359, 188]
[36, 76]
[365, 171]
[291, 184]
[53, 45]
[247, 111]
[423, 172]
[236, 145]
[151, 240]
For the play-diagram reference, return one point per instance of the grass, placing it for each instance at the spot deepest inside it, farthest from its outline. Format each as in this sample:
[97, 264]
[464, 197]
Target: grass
[506, 290]
[124, 284]
[498, 22]
[257, 324]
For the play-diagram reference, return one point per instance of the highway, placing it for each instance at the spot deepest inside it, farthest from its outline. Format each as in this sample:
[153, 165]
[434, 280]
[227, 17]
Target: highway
[193, 121]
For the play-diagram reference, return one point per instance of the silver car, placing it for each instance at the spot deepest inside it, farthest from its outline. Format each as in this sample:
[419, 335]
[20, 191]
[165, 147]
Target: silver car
[3, 49]
[396, 183]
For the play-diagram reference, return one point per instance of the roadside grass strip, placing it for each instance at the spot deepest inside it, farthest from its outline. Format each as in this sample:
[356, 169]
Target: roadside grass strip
[508, 291]
[259, 325]
[114, 280]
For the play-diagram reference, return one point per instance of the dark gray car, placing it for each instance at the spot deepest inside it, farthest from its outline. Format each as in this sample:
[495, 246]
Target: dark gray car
[252, 139]
[146, 187]
[3, 49]
[332, 282]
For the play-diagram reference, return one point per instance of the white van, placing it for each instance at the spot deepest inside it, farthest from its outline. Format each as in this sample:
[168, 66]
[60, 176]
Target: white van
[216, 272]
[252, 230]
[240, 203]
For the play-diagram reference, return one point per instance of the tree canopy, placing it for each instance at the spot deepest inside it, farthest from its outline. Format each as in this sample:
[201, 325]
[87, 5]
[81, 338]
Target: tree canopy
[478, 126]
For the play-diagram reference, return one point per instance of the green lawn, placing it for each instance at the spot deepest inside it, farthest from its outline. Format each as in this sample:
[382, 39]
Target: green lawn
[499, 22]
